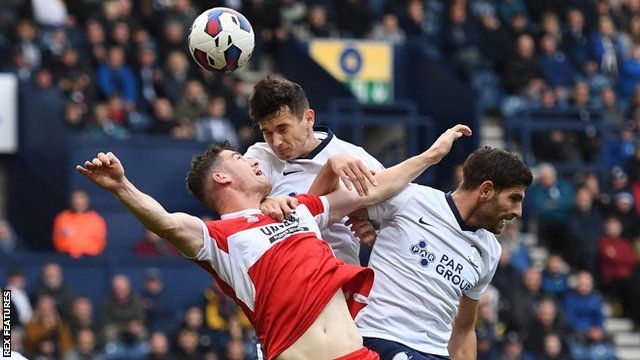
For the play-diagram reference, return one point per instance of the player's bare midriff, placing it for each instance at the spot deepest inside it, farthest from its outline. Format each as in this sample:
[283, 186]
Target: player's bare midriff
[332, 335]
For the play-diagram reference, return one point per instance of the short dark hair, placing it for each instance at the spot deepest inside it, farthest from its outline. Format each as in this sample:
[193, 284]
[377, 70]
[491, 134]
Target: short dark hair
[274, 94]
[499, 166]
[201, 164]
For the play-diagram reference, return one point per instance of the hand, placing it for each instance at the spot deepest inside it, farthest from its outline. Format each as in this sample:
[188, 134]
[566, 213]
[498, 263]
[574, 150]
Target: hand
[278, 208]
[443, 144]
[105, 170]
[363, 230]
[352, 172]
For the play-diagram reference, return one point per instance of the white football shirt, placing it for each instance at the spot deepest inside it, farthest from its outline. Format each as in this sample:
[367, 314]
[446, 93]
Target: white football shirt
[296, 176]
[424, 259]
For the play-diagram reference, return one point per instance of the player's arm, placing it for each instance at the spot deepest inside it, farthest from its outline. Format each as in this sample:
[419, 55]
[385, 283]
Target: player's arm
[182, 230]
[389, 181]
[462, 344]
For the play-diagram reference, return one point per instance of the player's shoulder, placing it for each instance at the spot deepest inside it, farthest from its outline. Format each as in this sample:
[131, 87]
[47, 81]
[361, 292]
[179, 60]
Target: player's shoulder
[491, 245]
[337, 145]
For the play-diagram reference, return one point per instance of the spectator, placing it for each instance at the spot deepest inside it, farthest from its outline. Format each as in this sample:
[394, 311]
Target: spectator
[527, 298]
[508, 8]
[116, 77]
[193, 104]
[27, 43]
[352, 26]
[130, 345]
[554, 277]
[547, 322]
[583, 308]
[194, 320]
[85, 347]
[389, 30]
[554, 63]
[586, 223]
[618, 261]
[317, 25]
[103, 126]
[624, 210]
[16, 282]
[576, 41]
[121, 36]
[54, 43]
[20, 68]
[513, 349]
[82, 317]
[513, 239]
[523, 72]
[609, 106]
[176, 75]
[74, 117]
[632, 168]
[606, 46]
[594, 78]
[159, 347]
[153, 245]
[494, 39]
[149, 76]
[506, 275]
[165, 122]
[550, 24]
[96, 40]
[293, 14]
[236, 350]
[182, 13]
[157, 303]
[461, 41]
[414, 22]
[52, 284]
[79, 230]
[553, 349]
[216, 127]
[187, 346]
[123, 312]
[48, 325]
[9, 242]
[630, 72]
[552, 200]
[488, 329]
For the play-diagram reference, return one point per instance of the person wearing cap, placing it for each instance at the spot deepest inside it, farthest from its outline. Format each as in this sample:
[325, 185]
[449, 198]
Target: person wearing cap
[623, 209]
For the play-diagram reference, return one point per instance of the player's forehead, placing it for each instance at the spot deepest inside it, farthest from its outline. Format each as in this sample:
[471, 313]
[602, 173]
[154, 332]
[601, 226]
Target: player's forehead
[284, 116]
[517, 191]
[226, 155]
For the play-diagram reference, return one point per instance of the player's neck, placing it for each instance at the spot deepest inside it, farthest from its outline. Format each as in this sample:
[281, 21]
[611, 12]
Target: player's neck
[466, 206]
[235, 201]
[312, 143]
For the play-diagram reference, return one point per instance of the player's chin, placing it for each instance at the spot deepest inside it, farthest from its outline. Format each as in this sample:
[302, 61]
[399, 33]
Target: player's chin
[497, 227]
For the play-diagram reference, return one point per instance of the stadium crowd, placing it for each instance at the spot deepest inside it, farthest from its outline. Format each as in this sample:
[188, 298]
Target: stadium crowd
[119, 68]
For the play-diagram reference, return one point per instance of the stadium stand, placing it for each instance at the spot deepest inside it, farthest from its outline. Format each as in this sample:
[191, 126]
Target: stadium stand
[556, 81]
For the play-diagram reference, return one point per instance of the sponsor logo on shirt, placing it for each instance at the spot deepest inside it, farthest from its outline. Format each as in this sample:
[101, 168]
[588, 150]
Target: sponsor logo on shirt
[282, 230]
[452, 271]
[426, 257]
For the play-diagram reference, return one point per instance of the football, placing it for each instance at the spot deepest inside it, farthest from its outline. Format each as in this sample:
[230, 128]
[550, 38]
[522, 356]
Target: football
[221, 40]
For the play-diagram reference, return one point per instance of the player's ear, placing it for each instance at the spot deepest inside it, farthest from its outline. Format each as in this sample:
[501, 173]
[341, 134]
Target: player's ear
[487, 190]
[310, 116]
[220, 177]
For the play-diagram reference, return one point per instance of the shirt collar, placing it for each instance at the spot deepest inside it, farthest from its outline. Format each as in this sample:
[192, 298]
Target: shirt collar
[323, 143]
[241, 213]
[456, 213]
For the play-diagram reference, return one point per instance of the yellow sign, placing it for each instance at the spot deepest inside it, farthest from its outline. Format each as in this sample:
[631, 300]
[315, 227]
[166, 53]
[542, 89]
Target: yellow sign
[366, 67]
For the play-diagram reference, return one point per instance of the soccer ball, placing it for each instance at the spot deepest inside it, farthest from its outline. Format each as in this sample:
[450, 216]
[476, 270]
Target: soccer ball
[221, 39]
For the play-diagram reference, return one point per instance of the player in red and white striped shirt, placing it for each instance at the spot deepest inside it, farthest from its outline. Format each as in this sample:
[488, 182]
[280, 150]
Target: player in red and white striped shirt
[299, 297]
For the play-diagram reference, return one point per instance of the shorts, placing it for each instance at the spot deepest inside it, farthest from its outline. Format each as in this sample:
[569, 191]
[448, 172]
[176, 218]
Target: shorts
[361, 354]
[391, 350]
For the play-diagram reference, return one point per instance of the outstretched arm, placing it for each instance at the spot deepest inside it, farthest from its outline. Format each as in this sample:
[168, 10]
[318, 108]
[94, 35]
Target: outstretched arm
[390, 181]
[182, 230]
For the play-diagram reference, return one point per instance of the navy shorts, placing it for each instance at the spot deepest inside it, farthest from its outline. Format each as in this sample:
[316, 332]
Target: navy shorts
[391, 350]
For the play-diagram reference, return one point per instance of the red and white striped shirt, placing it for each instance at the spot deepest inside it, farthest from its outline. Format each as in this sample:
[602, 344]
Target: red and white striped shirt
[280, 273]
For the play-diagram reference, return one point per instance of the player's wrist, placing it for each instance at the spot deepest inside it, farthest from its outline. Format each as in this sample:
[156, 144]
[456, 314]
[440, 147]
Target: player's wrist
[122, 188]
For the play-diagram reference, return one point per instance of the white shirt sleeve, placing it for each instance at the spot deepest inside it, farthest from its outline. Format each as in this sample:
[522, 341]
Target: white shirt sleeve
[390, 207]
[476, 291]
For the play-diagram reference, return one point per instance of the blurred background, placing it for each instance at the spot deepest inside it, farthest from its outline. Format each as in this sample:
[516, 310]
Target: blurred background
[553, 80]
